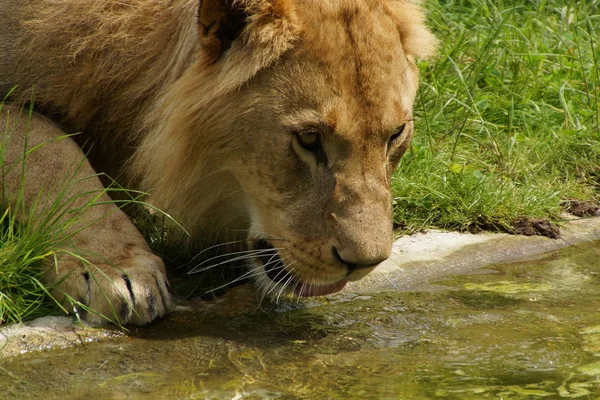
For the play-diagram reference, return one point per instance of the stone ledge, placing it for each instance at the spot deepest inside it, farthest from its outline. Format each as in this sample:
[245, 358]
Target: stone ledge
[423, 257]
[48, 333]
[416, 259]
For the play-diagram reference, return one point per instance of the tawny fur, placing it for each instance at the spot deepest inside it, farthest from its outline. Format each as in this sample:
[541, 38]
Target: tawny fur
[113, 68]
[205, 128]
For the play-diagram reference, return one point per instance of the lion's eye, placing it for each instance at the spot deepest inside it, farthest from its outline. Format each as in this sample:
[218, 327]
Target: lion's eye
[394, 138]
[309, 140]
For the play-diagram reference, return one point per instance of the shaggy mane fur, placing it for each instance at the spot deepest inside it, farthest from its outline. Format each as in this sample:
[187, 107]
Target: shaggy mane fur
[103, 62]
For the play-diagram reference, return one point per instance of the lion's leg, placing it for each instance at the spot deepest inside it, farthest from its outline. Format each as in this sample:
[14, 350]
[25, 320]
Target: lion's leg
[120, 278]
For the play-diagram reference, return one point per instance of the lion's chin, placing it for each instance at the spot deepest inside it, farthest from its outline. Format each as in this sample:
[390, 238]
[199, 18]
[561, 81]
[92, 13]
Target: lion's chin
[309, 290]
[275, 270]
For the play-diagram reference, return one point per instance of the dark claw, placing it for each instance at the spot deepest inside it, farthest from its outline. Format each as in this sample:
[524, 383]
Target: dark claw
[86, 277]
[80, 311]
[129, 288]
[152, 305]
[160, 291]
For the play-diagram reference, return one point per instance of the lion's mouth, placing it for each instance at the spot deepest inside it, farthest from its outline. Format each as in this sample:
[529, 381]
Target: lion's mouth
[276, 271]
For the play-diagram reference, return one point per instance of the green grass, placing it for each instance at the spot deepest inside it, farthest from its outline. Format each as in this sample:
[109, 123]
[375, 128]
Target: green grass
[507, 127]
[21, 292]
[507, 117]
[22, 250]
[27, 248]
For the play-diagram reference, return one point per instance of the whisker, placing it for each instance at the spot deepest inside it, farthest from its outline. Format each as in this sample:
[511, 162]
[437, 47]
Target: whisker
[285, 274]
[236, 253]
[197, 268]
[290, 279]
[212, 266]
[266, 290]
[247, 254]
[271, 262]
[260, 233]
[250, 274]
[215, 246]
[394, 285]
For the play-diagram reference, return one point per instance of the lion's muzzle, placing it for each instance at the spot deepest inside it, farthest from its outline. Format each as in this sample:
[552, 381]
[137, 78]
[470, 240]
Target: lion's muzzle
[277, 271]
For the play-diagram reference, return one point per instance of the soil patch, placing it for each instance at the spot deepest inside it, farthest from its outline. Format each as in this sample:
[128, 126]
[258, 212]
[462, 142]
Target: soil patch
[522, 226]
[535, 227]
[581, 208]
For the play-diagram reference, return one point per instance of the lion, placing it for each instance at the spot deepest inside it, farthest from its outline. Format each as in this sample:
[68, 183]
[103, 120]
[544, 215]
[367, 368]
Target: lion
[273, 124]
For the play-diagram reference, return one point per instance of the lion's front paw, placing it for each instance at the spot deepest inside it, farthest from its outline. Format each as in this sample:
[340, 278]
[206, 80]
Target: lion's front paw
[130, 290]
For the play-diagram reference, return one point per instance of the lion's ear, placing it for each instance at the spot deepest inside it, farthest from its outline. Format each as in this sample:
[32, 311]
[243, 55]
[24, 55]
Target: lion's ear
[266, 23]
[220, 22]
[417, 39]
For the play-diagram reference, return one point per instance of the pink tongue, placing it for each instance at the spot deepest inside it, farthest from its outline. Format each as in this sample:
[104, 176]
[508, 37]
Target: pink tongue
[308, 290]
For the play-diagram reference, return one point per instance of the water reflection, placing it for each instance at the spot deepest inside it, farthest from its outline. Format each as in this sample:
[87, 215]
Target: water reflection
[523, 331]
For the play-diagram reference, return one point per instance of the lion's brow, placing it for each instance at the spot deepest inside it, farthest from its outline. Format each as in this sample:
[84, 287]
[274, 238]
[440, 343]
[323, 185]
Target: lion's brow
[307, 118]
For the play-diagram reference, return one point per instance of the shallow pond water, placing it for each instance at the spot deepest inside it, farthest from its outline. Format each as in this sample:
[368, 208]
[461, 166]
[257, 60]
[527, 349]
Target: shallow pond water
[517, 331]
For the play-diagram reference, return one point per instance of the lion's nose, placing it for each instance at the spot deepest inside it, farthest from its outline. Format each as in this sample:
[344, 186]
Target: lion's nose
[356, 264]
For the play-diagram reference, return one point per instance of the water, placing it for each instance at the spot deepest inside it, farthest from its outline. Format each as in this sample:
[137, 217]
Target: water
[519, 331]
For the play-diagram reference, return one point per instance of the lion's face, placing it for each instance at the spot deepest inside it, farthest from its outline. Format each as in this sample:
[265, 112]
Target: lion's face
[293, 118]
[327, 126]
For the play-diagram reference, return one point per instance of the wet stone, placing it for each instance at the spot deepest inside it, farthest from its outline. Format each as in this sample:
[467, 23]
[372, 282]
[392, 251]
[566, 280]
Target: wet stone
[48, 333]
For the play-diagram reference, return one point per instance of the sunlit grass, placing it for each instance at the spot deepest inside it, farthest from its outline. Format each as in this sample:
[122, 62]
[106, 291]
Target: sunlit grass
[507, 117]
[34, 234]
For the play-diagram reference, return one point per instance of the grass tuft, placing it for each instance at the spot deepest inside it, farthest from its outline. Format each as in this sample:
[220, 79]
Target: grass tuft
[507, 118]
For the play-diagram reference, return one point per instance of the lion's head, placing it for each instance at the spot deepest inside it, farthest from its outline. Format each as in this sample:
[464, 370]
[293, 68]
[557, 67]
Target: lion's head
[287, 128]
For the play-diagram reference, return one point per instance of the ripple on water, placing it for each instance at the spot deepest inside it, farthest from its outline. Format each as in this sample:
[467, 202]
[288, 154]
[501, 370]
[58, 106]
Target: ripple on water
[526, 331]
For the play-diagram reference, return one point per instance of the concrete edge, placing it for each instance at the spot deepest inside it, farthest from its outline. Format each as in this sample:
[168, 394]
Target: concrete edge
[415, 260]
[420, 258]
